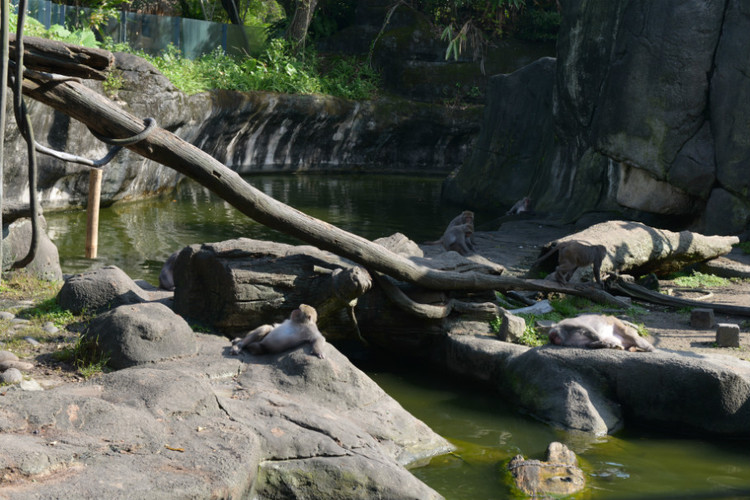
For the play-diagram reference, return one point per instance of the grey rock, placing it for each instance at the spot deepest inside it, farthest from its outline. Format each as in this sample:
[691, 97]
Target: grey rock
[137, 334]
[98, 290]
[8, 356]
[30, 386]
[596, 390]
[728, 335]
[11, 376]
[16, 242]
[6, 316]
[16, 364]
[32, 341]
[702, 318]
[286, 418]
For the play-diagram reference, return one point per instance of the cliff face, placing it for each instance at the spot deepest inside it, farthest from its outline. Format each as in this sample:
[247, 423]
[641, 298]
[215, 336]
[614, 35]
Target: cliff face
[646, 111]
[250, 132]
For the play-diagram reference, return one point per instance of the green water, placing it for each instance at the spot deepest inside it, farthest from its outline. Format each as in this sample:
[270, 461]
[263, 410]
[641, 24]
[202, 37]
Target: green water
[137, 237]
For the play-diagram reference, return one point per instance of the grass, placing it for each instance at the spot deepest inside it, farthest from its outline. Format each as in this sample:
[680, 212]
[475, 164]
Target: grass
[699, 280]
[568, 306]
[63, 345]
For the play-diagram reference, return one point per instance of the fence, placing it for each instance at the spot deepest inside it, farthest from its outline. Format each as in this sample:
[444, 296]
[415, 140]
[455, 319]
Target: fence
[154, 33]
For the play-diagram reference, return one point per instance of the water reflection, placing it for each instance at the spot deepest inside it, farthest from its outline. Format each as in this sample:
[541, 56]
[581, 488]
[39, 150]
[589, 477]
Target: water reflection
[138, 237]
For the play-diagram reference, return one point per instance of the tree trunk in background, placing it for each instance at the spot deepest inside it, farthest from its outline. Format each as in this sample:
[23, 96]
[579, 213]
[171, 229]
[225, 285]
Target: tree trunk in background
[297, 30]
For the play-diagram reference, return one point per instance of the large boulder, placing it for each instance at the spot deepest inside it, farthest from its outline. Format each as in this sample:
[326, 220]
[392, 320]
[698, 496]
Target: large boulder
[650, 115]
[16, 240]
[600, 391]
[99, 290]
[140, 334]
[213, 425]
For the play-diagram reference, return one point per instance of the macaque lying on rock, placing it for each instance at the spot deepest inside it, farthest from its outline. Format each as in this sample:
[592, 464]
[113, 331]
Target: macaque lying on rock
[597, 331]
[299, 329]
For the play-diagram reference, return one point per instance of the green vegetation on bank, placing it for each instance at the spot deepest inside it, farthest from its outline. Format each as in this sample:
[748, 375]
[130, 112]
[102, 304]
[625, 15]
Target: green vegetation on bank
[35, 301]
[279, 68]
[568, 306]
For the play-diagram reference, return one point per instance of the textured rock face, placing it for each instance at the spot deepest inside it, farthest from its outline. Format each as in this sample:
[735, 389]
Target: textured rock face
[249, 132]
[651, 114]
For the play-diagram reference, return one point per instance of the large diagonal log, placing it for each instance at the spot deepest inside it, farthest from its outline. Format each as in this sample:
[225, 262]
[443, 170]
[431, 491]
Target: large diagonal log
[107, 119]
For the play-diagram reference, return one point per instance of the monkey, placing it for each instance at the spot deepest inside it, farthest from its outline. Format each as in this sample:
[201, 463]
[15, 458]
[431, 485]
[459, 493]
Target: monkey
[574, 254]
[166, 276]
[460, 240]
[520, 207]
[298, 329]
[597, 331]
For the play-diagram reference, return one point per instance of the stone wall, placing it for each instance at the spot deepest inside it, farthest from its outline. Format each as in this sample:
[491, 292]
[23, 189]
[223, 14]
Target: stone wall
[251, 132]
[650, 104]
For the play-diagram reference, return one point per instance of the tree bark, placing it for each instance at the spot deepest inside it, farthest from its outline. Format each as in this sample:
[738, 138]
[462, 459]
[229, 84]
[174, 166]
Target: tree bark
[303, 14]
[41, 54]
[105, 118]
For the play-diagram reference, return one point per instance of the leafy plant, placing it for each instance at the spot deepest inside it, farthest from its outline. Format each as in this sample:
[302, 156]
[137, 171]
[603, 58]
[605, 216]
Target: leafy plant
[744, 246]
[85, 355]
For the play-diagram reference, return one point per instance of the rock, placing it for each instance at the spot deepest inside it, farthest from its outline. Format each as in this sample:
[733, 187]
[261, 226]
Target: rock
[18, 365]
[559, 474]
[512, 328]
[50, 328]
[16, 242]
[515, 137]
[30, 386]
[8, 356]
[702, 318]
[6, 316]
[284, 419]
[648, 111]
[594, 390]
[138, 334]
[11, 376]
[98, 290]
[728, 335]
[238, 285]
[32, 341]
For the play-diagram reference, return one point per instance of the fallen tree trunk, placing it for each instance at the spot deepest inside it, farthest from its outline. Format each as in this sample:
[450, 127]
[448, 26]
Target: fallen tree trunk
[108, 120]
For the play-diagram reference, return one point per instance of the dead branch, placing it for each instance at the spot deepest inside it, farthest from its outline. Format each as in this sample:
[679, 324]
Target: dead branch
[641, 293]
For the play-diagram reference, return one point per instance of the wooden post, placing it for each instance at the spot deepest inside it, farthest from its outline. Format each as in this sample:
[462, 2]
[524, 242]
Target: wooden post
[92, 212]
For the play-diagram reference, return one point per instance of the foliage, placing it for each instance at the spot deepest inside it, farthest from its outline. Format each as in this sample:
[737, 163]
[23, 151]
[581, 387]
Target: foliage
[277, 70]
[85, 355]
[698, 280]
[744, 246]
[48, 310]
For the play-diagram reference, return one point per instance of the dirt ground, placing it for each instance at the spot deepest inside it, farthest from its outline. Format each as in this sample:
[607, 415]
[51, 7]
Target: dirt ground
[516, 245]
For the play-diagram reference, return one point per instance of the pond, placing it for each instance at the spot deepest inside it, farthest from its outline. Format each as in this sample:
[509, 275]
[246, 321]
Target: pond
[137, 237]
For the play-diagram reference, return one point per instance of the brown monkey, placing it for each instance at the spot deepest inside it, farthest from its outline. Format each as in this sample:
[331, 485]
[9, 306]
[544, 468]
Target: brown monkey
[574, 254]
[521, 206]
[460, 240]
[597, 331]
[298, 329]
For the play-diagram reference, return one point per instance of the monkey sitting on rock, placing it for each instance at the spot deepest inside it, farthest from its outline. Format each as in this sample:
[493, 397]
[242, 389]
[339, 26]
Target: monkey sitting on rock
[299, 329]
[597, 331]
[459, 235]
